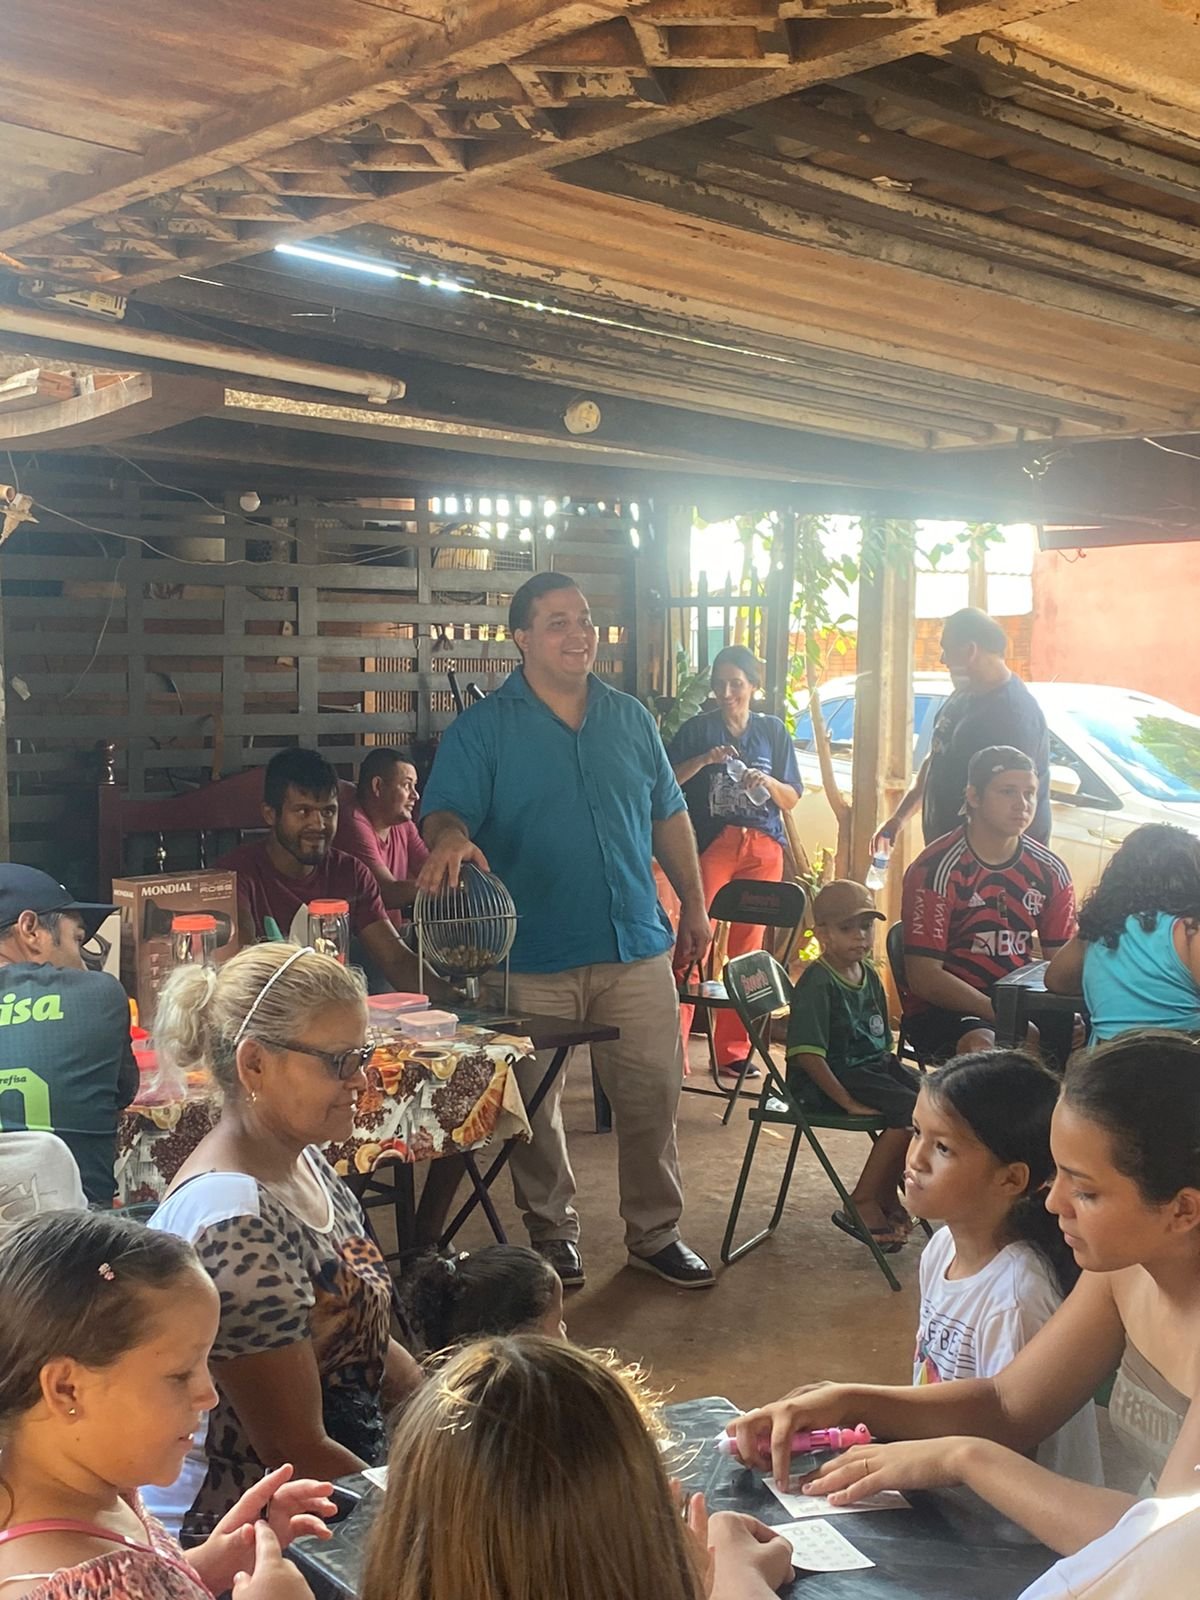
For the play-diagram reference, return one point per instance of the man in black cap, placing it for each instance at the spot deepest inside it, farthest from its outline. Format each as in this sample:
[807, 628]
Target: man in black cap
[990, 706]
[66, 1064]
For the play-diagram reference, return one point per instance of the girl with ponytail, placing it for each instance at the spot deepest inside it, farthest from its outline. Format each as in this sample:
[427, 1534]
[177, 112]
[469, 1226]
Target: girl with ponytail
[1125, 1194]
[980, 1162]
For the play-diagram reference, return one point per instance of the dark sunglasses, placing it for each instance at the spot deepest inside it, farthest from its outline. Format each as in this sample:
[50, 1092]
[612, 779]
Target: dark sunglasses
[344, 1064]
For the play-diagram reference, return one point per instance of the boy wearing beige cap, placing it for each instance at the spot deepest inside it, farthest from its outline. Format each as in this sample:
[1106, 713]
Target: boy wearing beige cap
[839, 1053]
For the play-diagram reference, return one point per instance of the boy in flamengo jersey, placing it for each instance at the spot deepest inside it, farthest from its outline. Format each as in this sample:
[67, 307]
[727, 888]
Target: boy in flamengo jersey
[973, 902]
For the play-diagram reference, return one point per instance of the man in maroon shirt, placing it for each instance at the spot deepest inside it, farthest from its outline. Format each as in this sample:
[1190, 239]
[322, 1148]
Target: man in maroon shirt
[378, 828]
[973, 903]
[296, 863]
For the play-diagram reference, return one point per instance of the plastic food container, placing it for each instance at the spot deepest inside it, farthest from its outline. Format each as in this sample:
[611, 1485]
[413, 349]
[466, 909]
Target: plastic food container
[425, 1025]
[385, 1008]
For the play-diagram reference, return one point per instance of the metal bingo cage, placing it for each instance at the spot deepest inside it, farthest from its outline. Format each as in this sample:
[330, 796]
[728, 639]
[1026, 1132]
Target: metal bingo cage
[463, 933]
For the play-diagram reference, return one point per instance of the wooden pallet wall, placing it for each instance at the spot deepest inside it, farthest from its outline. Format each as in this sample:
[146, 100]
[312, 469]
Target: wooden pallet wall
[199, 640]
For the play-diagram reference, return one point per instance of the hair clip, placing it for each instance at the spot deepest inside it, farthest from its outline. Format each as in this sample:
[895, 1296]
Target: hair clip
[106, 1272]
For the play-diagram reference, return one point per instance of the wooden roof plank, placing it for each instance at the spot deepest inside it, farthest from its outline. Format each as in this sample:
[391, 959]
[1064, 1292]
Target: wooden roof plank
[724, 202]
[960, 226]
[902, 156]
[1105, 154]
[422, 56]
[832, 48]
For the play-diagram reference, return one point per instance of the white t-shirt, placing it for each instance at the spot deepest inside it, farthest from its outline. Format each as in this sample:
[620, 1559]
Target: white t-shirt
[973, 1327]
[1152, 1554]
[37, 1173]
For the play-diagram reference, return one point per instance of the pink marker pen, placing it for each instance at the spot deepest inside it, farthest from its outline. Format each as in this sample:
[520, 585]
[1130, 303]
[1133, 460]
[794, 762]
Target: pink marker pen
[817, 1439]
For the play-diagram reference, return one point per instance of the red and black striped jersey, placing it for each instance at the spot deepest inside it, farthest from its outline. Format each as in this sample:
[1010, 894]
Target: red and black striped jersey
[979, 920]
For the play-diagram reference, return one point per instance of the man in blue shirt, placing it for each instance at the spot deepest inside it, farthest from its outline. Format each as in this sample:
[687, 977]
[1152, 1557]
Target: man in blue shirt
[561, 785]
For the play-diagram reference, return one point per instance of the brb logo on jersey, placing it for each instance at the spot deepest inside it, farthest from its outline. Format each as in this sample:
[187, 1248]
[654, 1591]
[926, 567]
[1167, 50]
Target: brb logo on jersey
[1001, 942]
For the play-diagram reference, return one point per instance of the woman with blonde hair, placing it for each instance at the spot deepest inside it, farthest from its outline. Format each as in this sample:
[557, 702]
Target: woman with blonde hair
[303, 1358]
[528, 1468]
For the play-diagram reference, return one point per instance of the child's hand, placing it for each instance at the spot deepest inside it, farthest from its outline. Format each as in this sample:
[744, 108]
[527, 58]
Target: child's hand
[740, 1544]
[296, 1507]
[857, 1109]
[272, 1577]
[764, 1437]
[913, 1464]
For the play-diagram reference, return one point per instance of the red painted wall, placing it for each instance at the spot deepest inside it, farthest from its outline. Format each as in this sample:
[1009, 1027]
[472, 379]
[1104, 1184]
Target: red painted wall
[1124, 616]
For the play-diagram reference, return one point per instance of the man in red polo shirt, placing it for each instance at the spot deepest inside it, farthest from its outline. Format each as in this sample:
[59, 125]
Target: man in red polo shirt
[279, 876]
[974, 902]
[378, 828]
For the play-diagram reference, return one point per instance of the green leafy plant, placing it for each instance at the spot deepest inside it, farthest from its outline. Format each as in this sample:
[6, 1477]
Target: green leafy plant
[691, 691]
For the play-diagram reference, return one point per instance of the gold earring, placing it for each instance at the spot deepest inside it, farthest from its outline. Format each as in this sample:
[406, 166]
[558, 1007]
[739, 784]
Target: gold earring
[71, 1412]
[253, 1096]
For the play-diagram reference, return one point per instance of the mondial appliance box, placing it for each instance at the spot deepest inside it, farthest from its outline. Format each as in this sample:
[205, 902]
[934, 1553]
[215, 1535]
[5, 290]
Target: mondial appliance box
[148, 907]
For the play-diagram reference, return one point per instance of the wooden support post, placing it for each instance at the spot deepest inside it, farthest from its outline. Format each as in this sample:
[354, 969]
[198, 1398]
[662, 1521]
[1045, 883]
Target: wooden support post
[780, 587]
[977, 580]
[883, 718]
[896, 699]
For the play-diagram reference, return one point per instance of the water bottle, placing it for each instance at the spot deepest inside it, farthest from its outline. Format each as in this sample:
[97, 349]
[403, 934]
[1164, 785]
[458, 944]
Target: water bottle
[877, 874]
[329, 928]
[193, 938]
[760, 794]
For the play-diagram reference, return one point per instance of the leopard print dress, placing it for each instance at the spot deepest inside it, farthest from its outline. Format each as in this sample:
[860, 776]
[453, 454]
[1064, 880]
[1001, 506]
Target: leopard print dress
[281, 1281]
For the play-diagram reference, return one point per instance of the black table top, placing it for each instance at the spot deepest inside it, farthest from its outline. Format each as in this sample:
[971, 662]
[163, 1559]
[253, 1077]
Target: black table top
[547, 1033]
[1031, 980]
[941, 1549]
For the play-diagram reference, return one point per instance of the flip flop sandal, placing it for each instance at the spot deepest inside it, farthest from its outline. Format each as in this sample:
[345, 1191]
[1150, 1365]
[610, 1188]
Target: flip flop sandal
[885, 1238]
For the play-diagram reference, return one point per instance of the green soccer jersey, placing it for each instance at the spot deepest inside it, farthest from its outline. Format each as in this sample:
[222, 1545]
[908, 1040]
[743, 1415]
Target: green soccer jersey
[843, 1022]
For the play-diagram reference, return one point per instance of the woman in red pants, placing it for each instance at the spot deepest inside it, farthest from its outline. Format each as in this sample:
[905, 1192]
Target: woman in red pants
[737, 815]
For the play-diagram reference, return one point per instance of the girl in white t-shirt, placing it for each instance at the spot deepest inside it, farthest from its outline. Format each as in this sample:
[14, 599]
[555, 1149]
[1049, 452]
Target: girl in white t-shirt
[980, 1162]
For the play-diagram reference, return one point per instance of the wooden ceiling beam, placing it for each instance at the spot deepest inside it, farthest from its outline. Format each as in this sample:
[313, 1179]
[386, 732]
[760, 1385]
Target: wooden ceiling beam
[725, 203]
[1099, 96]
[658, 298]
[1100, 482]
[674, 373]
[522, 341]
[907, 157]
[958, 226]
[831, 48]
[897, 88]
[423, 56]
[140, 403]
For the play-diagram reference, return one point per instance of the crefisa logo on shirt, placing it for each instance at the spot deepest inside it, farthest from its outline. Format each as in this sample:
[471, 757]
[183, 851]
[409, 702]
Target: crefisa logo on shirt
[46, 1008]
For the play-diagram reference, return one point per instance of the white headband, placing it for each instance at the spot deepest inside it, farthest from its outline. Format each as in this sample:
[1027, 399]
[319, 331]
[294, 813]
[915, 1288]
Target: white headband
[305, 950]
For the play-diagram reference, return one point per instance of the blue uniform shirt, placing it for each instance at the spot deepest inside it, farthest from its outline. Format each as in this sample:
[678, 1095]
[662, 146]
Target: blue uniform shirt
[563, 817]
[714, 800]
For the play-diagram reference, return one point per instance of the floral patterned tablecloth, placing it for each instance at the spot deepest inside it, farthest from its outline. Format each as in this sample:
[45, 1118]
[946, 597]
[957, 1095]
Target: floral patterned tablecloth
[421, 1102]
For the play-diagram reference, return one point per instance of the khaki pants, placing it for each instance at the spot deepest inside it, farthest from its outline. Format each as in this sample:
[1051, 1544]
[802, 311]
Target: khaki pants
[640, 1072]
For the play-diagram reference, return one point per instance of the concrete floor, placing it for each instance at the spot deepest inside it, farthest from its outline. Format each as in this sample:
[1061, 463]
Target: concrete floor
[808, 1304]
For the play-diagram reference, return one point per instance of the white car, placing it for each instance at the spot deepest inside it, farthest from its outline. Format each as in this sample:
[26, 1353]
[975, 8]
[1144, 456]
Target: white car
[1118, 759]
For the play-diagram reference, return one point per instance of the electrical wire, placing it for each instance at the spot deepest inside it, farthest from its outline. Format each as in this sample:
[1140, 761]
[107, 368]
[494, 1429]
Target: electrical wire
[1189, 455]
[112, 601]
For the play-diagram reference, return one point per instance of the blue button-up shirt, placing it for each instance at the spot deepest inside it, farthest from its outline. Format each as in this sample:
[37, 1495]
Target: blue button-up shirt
[564, 818]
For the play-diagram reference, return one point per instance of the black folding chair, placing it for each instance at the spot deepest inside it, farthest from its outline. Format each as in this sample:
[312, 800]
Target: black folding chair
[758, 987]
[749, 901]
[905, 1048]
